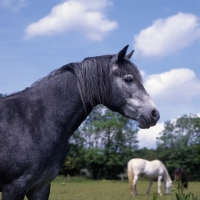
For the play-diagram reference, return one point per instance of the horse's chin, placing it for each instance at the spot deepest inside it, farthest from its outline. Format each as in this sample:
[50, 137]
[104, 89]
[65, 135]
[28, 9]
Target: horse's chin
[167, 193]
[143, 124]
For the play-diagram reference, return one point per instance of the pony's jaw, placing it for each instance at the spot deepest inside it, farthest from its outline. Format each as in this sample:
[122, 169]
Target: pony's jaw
[167, 191]
[146, 115]
[168, 187]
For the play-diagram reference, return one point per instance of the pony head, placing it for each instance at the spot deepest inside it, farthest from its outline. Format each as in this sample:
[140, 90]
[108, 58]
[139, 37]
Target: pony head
[116, 82]
[127, 93]
[167, 186]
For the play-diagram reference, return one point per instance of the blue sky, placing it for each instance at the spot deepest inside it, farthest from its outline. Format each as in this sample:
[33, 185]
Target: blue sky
[37, 38]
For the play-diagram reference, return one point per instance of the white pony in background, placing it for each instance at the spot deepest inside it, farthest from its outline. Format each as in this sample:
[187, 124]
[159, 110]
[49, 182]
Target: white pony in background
[150, 170]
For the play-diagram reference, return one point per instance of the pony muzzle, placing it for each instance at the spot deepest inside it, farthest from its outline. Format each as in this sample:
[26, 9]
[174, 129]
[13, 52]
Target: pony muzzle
[148, 118]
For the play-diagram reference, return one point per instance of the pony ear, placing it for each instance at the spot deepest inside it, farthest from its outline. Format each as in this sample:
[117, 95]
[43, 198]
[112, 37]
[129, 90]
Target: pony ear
[130, 54]
[122, 53]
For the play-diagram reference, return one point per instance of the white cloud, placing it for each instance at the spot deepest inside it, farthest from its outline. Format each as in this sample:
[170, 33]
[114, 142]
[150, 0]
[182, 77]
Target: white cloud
[166, 36]
[147, 137]
[14, 5]
[176, 85]
[85, 17]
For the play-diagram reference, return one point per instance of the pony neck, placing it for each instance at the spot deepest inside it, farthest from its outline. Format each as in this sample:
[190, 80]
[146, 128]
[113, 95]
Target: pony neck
[166, 176]
[62, 99]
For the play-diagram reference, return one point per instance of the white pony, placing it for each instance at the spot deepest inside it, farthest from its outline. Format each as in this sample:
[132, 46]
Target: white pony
[148, 169]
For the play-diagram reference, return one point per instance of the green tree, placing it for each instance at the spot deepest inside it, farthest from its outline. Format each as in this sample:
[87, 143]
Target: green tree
[179, 145]
[95, 162]
[116, 137]
[147, 154]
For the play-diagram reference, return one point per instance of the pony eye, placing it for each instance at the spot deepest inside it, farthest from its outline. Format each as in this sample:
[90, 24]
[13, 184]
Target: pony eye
[128, 78]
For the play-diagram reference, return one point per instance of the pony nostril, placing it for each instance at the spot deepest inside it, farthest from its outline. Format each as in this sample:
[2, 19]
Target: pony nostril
[154, 113]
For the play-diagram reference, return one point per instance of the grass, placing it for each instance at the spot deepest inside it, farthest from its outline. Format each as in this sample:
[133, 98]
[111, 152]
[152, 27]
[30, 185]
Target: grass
[82, 189]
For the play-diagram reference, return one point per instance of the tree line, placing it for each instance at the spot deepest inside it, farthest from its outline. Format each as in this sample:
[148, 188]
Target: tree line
[106, 141]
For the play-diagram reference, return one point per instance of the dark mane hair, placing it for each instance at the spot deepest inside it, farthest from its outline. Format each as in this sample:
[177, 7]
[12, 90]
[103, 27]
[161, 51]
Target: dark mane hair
[93, 76]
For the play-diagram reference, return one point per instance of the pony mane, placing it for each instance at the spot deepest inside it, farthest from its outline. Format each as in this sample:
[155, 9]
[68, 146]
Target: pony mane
[93, 79]
[93, 75]
[167, 176]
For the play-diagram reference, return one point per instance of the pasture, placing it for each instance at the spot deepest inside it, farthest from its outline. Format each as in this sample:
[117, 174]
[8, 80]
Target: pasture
[85, 189]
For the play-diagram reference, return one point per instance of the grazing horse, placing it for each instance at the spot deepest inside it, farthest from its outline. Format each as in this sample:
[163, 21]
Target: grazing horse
[36, 123]
[150, 170]
[180, 174]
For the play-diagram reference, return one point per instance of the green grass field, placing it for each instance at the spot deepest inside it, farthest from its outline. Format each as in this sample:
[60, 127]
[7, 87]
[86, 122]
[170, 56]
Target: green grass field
[83, 189]
[79, 189]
